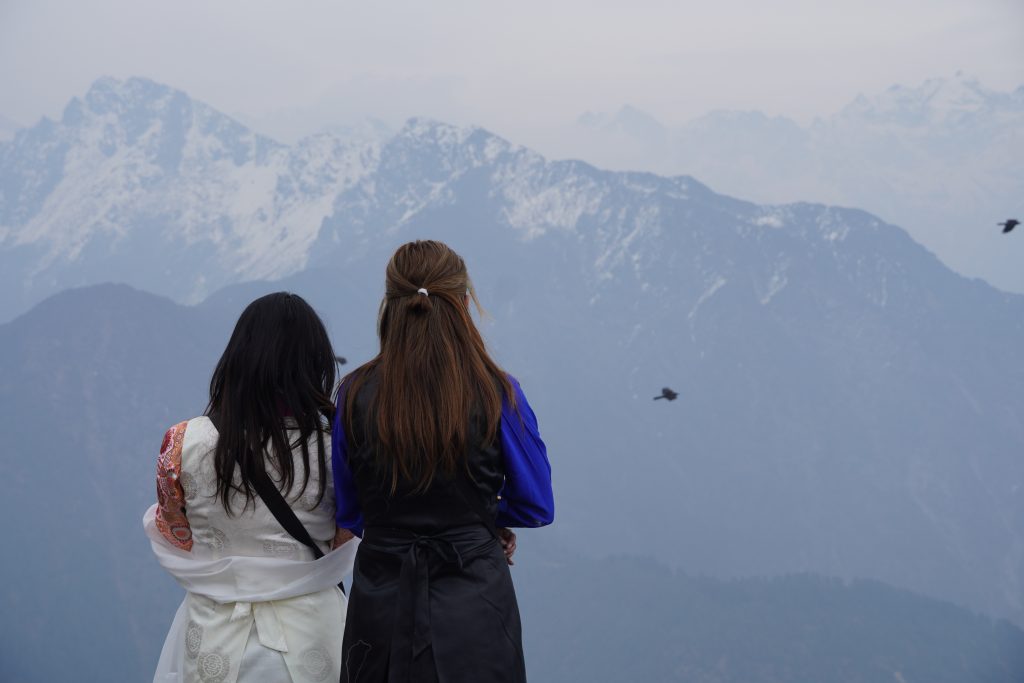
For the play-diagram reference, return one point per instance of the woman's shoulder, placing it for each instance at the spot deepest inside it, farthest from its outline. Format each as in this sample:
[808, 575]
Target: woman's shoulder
[194, 428]
[367, 372]
[188, 435]
[358, 385]
[517, 389]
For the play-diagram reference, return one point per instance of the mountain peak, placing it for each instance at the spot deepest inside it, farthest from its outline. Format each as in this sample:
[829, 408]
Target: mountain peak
[131, 87]
[454, 140]
[629, 113]
[628, 119]
[938, 100]
[108, 95]
[439, 131]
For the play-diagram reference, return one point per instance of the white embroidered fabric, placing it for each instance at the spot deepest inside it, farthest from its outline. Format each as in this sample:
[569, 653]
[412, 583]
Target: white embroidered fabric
[266, 596]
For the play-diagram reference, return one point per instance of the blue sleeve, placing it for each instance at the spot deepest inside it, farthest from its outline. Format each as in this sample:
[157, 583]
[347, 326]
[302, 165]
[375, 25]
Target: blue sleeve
[347, 512]
[526, 499]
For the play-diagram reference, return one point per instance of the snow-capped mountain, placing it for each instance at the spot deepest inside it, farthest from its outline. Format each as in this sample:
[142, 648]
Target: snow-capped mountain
[941, 160]
[135, 172]
[848, 405]
[959, 102]
[138, 182]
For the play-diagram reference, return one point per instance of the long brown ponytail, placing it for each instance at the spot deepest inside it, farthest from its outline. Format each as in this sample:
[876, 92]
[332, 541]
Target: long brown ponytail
[433, 368]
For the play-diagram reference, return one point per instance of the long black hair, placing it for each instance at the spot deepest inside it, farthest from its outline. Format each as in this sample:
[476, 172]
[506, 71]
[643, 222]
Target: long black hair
[276, 374]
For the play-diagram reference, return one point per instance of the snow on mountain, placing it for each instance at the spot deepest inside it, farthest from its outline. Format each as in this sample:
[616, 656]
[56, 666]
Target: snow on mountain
[937, 101]
[425, 164]
[135, 169]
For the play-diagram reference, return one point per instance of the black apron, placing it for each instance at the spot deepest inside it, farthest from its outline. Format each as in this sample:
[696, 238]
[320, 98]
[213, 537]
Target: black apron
[432, 598]
[432, 608]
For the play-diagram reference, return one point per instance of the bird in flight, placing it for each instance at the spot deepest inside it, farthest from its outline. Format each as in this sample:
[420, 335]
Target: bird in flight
[1009, 224]
[668, 394]
[340, 360]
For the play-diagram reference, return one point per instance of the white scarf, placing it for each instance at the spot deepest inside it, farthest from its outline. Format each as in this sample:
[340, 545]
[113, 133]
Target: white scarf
[245, 580]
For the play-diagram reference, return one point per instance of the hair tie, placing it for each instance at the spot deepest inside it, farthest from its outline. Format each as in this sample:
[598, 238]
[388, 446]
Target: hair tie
[423, 291]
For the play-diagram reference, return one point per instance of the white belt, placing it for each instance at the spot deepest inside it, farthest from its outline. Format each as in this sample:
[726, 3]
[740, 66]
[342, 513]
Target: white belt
[268, 623]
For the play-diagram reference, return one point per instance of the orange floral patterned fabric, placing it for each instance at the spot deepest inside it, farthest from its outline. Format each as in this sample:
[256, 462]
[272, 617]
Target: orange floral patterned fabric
[170, 496]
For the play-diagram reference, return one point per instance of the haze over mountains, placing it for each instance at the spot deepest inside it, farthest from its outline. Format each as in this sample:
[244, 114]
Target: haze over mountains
[942, 159]
[848, 405]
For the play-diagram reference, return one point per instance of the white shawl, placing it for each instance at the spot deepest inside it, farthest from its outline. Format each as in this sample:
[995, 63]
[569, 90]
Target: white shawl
[248, 581]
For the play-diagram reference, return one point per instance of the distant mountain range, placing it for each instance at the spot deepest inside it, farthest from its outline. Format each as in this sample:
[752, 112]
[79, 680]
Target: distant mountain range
[942, 159]
[848, 405]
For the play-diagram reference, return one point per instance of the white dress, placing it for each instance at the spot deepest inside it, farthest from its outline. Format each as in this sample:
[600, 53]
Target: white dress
[294, 639]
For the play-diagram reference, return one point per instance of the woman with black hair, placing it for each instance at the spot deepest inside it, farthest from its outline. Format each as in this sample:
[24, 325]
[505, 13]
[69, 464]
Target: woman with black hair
[259, 606]
[436, 452]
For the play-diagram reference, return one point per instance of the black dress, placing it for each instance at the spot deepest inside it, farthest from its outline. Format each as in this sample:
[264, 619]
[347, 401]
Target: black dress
[432, 596]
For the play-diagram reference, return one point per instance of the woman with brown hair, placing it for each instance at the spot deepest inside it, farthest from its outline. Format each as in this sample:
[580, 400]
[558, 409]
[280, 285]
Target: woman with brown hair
[435, 454]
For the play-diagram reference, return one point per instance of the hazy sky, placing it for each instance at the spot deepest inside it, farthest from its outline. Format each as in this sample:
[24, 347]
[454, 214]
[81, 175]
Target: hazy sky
[507, 66]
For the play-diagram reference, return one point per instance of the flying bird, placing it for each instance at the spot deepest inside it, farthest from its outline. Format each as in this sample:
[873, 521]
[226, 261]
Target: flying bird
[340, 360]
[668, 394]
[1009, 225]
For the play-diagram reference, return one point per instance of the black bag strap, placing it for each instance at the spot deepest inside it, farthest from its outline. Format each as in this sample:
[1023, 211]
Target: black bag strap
[278, 506]
[283, 512]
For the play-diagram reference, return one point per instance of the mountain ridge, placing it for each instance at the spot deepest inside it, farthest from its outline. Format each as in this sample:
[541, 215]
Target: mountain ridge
[112, 186]
[939, 159]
